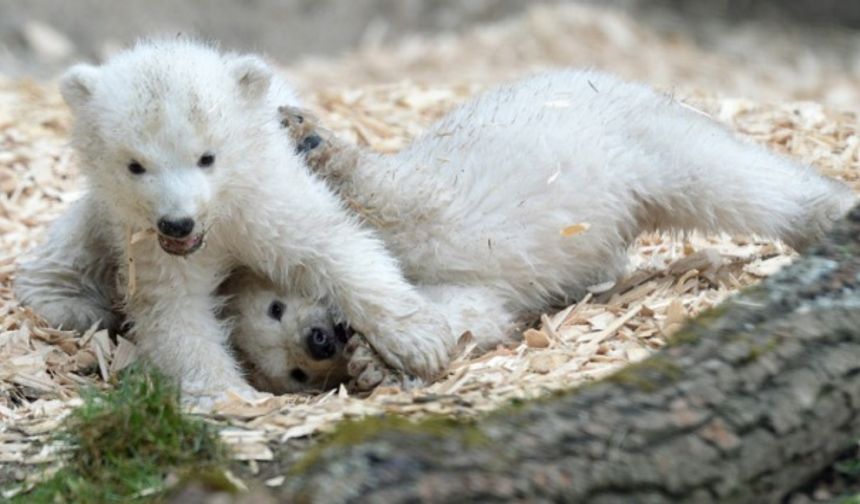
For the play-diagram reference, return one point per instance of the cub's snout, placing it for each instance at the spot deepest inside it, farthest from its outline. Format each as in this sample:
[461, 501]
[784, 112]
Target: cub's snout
[324, 343]
[177, 236]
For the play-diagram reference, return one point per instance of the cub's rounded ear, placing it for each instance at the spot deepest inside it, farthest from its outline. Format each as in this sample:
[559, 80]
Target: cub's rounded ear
[76, 85]
[252, 74]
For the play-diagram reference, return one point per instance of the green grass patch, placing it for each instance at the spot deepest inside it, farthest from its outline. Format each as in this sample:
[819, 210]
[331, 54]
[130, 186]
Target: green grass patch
[126, 440]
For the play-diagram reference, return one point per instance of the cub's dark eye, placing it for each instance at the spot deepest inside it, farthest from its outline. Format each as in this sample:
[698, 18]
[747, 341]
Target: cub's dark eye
[276, 310]
[206, 160]
[136, 168]
[298, 375]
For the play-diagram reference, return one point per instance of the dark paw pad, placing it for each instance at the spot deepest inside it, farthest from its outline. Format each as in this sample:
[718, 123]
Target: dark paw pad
[308, 144]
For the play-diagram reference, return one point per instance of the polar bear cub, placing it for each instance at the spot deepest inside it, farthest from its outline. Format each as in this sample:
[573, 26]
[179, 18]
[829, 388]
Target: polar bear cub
[496, 192]
[181, 146]
[534, 190]
[292, 341]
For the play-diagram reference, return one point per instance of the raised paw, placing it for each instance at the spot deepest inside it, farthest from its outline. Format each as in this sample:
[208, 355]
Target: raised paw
[310, 139]
[325, 154]
[302, 127]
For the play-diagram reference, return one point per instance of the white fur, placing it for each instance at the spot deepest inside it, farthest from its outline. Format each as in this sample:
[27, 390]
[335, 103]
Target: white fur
[164, 104]
[71, 278]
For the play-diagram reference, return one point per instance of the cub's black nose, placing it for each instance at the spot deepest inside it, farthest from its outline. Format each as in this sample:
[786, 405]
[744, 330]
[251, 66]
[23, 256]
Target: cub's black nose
[175, 228]
[320, 343]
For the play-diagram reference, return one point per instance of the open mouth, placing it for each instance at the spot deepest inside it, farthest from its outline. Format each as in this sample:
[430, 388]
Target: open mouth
[180, 246]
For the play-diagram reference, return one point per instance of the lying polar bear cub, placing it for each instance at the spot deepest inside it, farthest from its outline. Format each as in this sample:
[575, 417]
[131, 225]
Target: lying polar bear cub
[291, 342]
[487, 207]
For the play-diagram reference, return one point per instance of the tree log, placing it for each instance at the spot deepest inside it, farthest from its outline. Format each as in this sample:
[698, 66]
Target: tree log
[747, 403]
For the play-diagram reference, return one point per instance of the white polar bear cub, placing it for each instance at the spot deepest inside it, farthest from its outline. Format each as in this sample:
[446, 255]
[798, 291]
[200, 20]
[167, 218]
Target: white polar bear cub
[175, 137]
[484, 201]
[291, 342]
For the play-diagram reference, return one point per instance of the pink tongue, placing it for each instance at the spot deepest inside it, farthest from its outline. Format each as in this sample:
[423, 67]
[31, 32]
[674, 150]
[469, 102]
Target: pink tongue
[184, 242]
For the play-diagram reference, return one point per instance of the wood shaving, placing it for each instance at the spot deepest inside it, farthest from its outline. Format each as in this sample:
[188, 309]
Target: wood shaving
[575, 229]
[536, 339]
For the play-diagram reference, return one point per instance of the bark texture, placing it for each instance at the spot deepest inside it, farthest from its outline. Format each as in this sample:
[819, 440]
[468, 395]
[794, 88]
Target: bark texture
[751, 401]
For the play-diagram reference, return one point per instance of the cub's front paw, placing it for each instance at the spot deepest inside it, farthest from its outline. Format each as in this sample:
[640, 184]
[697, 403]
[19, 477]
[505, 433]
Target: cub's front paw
[368, 370]
[420, 344]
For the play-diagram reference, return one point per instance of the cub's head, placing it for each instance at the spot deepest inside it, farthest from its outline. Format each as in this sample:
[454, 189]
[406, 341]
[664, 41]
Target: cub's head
[163, 128]
[289, 342]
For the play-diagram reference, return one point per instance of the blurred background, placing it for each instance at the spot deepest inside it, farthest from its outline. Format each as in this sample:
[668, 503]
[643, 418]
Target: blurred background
[40, 37]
